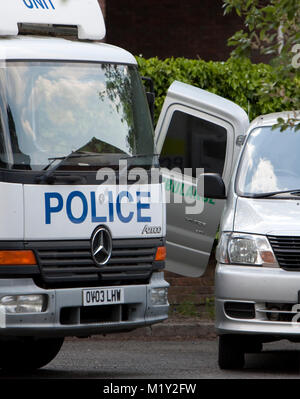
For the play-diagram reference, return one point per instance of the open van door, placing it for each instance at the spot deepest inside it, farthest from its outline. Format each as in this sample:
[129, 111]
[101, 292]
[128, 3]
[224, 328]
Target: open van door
[196, 130]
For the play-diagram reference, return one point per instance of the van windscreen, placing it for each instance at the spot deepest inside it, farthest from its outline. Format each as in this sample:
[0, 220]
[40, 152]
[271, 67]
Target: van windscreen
[270, 162]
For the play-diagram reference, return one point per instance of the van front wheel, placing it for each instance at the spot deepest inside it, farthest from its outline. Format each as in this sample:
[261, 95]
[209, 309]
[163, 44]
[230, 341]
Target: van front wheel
[231, 352]
[29, 353]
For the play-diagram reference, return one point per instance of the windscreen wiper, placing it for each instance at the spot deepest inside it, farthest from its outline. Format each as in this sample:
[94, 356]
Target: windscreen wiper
[139, 156]
[50, 172]
[295, 193]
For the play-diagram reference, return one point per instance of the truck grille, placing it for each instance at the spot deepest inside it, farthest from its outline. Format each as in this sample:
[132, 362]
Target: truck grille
[71, 261]
[287, 251]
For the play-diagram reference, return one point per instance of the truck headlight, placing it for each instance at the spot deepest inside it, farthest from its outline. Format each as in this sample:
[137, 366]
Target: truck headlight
[245, 249]
[24, 303]
[159, 296]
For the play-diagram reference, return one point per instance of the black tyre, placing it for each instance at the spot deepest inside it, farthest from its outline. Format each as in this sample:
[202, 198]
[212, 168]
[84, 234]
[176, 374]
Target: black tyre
[253, 346]
[29, 353]
[231, 353]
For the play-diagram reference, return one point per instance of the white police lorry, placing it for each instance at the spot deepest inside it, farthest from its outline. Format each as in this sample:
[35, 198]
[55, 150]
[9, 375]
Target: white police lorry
[82, 244]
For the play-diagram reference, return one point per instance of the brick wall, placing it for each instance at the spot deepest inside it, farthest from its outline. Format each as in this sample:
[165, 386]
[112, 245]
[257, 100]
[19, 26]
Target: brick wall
[103, 6]
[191, 289]
[164, 28]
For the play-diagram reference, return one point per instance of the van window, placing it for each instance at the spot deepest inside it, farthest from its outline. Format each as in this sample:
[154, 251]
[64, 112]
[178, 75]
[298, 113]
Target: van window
[270, 162]
[194, 143]
[3, 159]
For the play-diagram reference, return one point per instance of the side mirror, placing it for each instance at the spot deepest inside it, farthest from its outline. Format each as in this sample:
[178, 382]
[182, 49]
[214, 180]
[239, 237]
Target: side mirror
[211, 185]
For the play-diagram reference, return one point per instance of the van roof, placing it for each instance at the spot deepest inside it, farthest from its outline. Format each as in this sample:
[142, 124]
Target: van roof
[271, 119]
[45, 48]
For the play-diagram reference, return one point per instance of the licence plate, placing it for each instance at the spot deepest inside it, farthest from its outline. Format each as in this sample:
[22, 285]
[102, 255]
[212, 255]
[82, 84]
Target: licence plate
[103, 296]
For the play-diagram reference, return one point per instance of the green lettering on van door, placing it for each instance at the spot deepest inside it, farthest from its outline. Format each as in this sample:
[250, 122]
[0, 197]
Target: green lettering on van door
[191, 192]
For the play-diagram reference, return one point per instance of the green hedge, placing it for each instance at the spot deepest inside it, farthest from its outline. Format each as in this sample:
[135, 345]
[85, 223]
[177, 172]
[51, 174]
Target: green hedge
[236, 79]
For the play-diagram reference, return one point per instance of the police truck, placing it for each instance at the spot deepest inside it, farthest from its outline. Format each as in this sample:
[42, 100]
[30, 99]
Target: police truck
[82, 215]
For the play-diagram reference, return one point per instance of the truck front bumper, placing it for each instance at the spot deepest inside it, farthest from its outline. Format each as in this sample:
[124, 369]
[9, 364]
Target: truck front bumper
[257, 300]
[66, 316]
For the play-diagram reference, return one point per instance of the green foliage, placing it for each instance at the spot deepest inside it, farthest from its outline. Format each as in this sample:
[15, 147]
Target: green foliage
[236, 79]
[270, 26]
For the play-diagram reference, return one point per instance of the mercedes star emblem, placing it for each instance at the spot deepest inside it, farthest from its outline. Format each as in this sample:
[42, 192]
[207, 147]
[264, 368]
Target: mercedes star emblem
[101, 245]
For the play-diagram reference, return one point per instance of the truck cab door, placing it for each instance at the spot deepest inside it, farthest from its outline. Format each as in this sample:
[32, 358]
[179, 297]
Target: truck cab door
[196, 130]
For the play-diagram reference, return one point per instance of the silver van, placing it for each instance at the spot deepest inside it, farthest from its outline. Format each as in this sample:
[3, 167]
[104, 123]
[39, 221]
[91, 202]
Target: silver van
[252, 174]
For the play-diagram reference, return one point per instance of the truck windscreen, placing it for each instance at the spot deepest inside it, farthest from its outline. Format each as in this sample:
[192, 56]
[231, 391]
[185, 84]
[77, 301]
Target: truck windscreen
[51, 109]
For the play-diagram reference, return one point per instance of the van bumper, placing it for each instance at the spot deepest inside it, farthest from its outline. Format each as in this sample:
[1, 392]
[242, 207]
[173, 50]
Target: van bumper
[65, 310]
[256, 300]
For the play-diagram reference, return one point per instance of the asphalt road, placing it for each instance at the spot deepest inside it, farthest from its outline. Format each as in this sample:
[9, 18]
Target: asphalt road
[141, 359]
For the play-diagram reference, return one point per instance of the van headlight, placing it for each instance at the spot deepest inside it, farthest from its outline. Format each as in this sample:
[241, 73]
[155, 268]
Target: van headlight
[245, 249]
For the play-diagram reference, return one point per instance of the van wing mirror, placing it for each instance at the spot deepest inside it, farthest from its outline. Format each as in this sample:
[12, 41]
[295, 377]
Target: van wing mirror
[211, 185]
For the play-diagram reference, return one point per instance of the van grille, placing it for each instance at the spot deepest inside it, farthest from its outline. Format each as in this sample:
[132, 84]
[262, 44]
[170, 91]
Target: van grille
[287, 251]
[71, 261]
